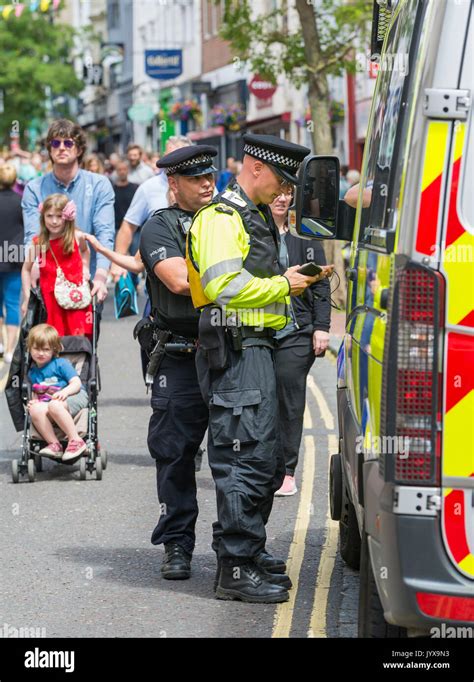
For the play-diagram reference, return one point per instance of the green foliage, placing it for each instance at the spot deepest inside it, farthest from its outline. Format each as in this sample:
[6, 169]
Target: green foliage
[270, 49]
[35, 54]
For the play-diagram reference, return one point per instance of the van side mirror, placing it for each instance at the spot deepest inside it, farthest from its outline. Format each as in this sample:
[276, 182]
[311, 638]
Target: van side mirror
[317, 197]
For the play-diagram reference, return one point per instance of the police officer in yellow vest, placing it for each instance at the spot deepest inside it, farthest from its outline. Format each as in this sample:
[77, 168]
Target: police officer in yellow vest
[232, 255]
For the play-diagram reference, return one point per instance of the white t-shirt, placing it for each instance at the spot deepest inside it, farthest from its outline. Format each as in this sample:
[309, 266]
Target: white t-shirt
[148, 198]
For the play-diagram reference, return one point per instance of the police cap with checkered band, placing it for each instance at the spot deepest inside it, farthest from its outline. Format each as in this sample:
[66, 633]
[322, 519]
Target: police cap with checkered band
[284, 157]
[189, 161]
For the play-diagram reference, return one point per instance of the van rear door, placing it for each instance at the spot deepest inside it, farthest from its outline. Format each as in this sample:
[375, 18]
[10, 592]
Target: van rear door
[457, 266]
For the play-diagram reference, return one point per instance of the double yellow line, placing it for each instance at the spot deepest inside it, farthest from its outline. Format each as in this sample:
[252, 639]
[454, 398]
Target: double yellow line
[284, 613]
[4, 379]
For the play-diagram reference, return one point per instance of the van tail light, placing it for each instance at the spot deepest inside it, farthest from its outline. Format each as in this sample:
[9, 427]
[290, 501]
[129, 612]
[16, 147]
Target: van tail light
[411, 400]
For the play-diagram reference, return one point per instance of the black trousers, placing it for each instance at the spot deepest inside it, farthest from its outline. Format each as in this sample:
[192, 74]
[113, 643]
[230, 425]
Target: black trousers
[294, 357]
[242, 448]
[177, 427]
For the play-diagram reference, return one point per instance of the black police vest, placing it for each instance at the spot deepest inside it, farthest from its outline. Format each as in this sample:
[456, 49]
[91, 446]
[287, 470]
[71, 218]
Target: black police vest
[262, 258]
[173, 311]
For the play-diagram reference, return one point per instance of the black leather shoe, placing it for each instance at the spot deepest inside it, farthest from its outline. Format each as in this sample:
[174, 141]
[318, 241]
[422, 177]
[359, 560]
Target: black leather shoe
[176, 563]
[247, 583]
[270, 563]
[277, 578]
[274, 578]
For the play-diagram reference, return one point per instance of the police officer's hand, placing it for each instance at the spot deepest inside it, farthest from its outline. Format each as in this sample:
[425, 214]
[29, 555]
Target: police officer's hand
[298, 282]
[320, 341]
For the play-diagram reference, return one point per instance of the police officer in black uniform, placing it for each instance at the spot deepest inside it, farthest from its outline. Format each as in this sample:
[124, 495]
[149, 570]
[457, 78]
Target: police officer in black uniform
[233, 265]
[180, 416]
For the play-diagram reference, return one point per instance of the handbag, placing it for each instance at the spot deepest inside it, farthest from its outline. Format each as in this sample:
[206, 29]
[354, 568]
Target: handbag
[69, 295]
[125, 297]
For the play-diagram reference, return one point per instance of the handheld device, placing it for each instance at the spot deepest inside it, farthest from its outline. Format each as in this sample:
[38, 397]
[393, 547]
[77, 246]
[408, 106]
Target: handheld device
[310, 269]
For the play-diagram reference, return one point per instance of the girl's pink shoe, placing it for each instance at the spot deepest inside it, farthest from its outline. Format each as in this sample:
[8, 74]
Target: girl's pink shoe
[52, 450]
[74, 449]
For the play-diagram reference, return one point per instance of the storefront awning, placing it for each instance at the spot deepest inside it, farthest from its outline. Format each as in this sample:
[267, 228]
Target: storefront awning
[217, 131]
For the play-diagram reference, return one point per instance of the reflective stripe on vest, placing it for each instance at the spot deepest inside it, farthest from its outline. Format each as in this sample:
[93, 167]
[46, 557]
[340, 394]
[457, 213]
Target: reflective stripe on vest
[234, 287]
[221, 268]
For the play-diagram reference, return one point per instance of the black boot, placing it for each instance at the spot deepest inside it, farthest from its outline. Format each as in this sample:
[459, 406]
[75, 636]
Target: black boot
[176, 563]
[270, 563]
[274, 578]
[247, 583]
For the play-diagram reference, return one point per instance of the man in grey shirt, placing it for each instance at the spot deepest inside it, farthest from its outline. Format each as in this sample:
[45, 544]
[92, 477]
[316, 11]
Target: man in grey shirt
[139, 171]
[149, 197]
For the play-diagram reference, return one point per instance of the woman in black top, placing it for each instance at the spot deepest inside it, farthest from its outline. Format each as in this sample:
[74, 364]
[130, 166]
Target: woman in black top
[11, 260]
[298, 344]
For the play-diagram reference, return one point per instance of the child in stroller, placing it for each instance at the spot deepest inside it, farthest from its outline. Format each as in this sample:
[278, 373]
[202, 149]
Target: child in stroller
[58, 394]
[81, 354]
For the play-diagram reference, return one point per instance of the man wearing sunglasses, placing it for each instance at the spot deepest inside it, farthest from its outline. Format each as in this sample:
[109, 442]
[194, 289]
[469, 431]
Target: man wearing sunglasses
[92, 193]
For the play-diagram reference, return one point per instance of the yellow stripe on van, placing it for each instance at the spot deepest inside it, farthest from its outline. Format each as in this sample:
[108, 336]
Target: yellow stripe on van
[459, 268]
[467, 564]
[460, 132]
[459, 438]
[436, 140]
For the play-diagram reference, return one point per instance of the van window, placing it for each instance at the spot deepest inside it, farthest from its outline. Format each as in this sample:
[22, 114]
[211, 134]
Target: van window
[467, 175]
[397, 64]
[467, 179]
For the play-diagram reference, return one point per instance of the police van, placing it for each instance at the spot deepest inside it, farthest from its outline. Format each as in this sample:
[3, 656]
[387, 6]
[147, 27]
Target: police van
[402, 483]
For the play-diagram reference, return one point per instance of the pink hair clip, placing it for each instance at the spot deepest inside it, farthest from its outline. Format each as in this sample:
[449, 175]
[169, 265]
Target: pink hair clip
[40, 207]
[69, 211]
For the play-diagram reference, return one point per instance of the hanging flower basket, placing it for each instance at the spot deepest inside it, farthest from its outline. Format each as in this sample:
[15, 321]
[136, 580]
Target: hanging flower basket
[101, 132]
[336, 111]
[231, 116]
[189, 110]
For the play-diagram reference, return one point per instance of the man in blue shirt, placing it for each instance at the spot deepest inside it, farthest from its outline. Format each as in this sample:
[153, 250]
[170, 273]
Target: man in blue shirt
[92, 193]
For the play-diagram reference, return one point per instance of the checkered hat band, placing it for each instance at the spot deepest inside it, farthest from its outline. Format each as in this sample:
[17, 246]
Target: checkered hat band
[195, 161]
[271, 157]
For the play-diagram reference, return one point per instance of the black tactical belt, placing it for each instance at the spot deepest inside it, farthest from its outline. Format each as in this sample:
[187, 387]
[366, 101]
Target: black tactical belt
[180, 344]
[252, 333]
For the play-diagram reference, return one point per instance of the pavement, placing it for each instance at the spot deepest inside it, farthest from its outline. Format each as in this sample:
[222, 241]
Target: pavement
[76, 555]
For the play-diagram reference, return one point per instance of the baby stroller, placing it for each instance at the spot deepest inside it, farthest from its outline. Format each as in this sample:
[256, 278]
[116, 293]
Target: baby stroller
[83, 356]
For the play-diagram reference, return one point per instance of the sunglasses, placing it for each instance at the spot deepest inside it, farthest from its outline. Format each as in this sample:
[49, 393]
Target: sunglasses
[69, 144]
[285, 186]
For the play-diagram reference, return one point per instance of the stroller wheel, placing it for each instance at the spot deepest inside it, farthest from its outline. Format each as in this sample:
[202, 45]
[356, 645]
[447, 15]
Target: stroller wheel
[98, 468]
[15, 472]
[82, 468]
[38, 463]
[31, 470]
[103, 457]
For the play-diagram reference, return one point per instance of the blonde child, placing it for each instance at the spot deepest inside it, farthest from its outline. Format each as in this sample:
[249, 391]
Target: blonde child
[58, 394]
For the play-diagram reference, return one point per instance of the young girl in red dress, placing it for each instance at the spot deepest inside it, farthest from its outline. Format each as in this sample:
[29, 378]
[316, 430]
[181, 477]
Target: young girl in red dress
[59, 244]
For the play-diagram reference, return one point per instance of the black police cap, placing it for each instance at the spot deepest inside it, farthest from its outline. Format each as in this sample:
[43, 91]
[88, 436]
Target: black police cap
[191, 161]
[284, 157]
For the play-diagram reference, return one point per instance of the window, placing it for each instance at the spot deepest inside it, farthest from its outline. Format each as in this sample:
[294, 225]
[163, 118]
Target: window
[467, 174]
[114, 14]
[211, 18]
[206, 19]
[391, 98]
